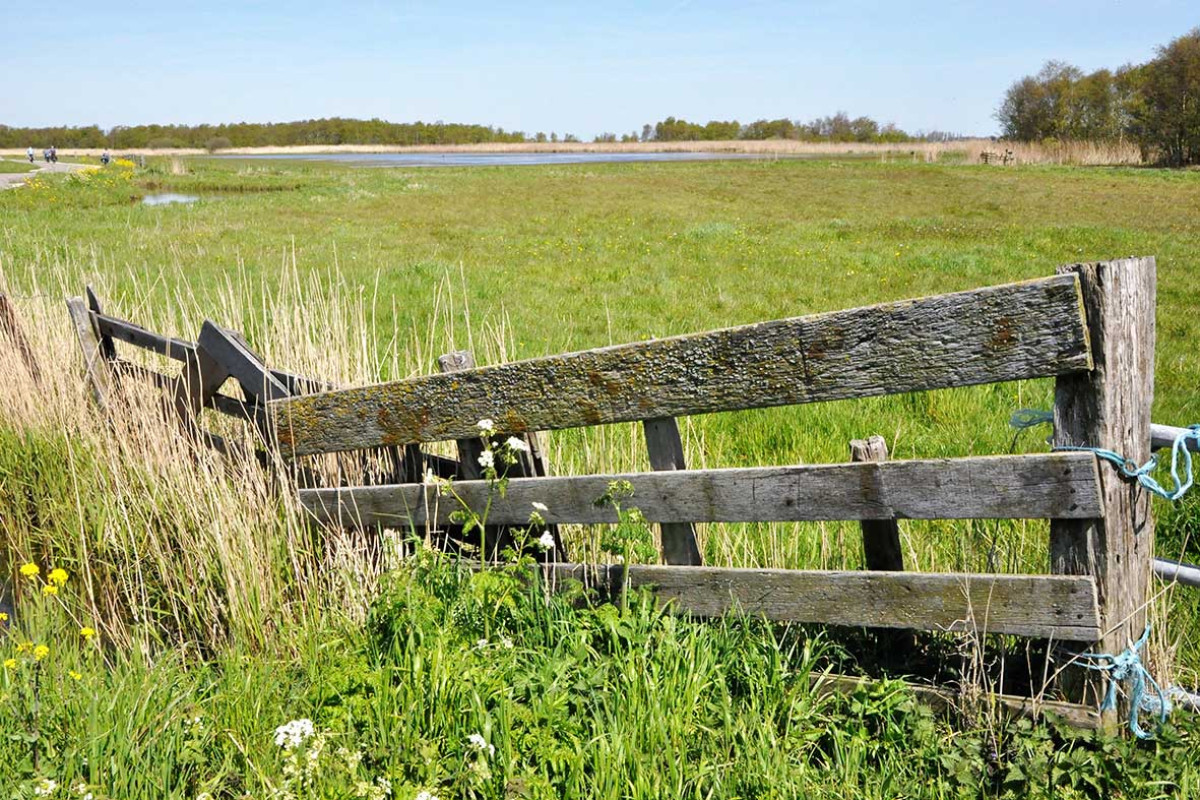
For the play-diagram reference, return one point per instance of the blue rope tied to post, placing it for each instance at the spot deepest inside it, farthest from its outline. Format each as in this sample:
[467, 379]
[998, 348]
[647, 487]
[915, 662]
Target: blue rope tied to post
[1029, 418]
[1127, 666]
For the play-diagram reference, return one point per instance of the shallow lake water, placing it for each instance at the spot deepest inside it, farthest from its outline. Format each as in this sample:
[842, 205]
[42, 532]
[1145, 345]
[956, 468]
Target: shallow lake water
[167, 198]
[490, 159]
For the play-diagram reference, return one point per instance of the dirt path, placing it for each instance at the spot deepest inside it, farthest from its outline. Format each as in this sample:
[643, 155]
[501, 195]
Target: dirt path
[8, 180]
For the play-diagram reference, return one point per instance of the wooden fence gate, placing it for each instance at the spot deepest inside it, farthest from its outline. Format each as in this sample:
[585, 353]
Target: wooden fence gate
[1091, 327]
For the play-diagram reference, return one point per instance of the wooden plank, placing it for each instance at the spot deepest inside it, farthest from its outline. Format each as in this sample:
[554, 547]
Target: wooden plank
[95, 366]
[943, 700]
[201, 378]
[990, 487]
[1110, 407]
[136, 335]
[108, 348]
[1059, 607]
[528, 465]
[240, 362]
[1024, 330]
[665, 447]
[881, 537]
[10, 327]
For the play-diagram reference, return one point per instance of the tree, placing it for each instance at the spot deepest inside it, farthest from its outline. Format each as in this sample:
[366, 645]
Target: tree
[1168, 117]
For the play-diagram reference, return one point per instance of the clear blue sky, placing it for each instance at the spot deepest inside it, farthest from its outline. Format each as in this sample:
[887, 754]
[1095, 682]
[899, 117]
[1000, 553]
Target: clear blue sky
[582, 68]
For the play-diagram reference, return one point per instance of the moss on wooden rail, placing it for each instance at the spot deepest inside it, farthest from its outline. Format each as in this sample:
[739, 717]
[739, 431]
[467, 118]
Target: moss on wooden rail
[1017, 331]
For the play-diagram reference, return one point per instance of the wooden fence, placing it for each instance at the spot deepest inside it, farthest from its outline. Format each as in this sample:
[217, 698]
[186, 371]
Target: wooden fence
[1091, 327]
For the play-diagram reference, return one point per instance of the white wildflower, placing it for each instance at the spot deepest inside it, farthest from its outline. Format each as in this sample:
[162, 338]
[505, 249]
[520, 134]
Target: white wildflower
[481, 744]
[352, 759]
[293, 733]
[486, 425]
[45, 787]
[482, 643]
[546, 541]
[424, 795]
[204, 796]
[540, 507]
[487, 459]
[506, 643]
[81, 789]
[431, 478]
[516, 445]
[385, 786]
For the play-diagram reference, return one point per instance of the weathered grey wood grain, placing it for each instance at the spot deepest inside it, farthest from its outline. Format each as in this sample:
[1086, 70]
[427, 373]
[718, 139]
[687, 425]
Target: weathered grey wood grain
[236, 359]
[530, 464]
[1002, 333]
[881, 537]
[665, 448]
[1110, 407]
[991, 487]
[1047, 606]
[944, 699]
[136, 335]
[108, 347]
[95, 366]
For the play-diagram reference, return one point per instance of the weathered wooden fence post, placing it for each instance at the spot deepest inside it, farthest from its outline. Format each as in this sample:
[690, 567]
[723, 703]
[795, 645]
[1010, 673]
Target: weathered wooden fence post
[881, 537]
[665, 447]
[95, 365]
[1109, 407]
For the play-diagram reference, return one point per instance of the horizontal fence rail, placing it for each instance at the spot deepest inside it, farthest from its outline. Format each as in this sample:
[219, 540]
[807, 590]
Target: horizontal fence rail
[1003, 333]
[1053, 485]
[136, 335]
[1047, 606]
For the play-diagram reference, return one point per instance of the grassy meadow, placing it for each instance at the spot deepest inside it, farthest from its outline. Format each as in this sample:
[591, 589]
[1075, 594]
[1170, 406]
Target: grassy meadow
[217, 615]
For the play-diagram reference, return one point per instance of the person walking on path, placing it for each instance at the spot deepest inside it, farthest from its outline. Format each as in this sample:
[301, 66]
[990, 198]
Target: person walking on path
[29, 153]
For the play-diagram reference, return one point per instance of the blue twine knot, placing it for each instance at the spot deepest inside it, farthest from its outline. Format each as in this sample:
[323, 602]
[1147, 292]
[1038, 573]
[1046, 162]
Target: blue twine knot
[1181, 481]
[1127, 666]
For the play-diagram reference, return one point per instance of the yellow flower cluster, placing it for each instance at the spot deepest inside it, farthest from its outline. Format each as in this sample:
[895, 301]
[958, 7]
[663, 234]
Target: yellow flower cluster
[55, 580]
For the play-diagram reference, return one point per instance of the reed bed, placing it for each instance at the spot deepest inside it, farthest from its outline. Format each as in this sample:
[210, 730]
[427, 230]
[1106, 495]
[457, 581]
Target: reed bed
[967, 151]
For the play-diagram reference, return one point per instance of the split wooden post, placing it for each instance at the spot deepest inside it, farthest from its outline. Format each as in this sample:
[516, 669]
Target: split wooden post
[881, 537]
[666, 453]
[95, 365]
[1109, 407]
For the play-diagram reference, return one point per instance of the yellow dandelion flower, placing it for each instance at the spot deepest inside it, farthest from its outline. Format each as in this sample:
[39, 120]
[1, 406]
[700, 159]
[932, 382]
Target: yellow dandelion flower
[3, 617]
[87, 633]
[49, 589]
[41, 651]
[74, 675]
[30, 570]
[58, 576]
[10, 663]
[24, 647]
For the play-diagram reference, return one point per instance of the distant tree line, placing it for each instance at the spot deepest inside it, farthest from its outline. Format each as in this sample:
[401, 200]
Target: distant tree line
[1156, 104]
[837, 128]
[252, 134]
